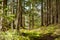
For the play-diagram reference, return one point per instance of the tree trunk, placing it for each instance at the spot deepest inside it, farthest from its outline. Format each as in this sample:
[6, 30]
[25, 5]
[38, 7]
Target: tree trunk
[19, 15]
[42, 13]
[4, 21]
[49, 12]
[32, 21]
[13, 11]
[29, 22]
[57, 11]
[52, 14]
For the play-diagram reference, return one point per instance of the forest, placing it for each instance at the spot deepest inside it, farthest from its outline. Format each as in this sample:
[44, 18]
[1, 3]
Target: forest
[29, 20]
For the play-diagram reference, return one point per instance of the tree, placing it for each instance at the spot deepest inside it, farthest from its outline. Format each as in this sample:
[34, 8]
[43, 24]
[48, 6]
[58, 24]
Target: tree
[57, 3]
[41, 12]
[4, 21]
[0, 14]
[19, 15]
[49, 12]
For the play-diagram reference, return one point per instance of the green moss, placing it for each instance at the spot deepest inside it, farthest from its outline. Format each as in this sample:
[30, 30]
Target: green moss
[35, 34]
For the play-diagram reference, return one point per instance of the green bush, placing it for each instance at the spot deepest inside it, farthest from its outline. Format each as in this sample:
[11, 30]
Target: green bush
[57, 38]
[36, 34]
[11, 35]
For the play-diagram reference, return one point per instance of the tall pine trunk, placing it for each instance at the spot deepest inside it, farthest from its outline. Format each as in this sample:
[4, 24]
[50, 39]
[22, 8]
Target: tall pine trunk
[42, 13]
[57, 11]
[49, 3]
[4, 21]
[47, 14]
[19, 15]
[32, 21]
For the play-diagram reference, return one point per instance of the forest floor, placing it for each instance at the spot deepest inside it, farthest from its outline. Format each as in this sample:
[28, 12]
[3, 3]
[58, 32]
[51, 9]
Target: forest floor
[51, 32]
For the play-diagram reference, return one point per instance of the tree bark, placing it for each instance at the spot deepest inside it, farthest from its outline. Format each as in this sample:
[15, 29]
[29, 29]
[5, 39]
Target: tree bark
[42, 13]
[57, 11]
[32, 21]
[4, 21]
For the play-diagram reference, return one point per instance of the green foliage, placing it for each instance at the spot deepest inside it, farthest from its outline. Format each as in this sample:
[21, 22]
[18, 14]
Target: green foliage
[11, 35]
[0, 1]
[57, 38]
[40, 33]
[10, 17]
[35, 34]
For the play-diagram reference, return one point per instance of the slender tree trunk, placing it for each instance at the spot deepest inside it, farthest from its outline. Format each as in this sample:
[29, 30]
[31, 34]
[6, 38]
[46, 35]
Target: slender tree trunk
[29, 22]
[19, 15]
[42, 13]
[32, 21]
[52, 13]
[59, 12]
[13, 11]
[23, 21]
[49, 12]
[56, 11]
[4, 21]
[1, 13]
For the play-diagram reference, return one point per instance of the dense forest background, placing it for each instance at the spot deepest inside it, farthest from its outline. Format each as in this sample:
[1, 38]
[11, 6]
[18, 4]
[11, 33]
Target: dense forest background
[30, 19]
